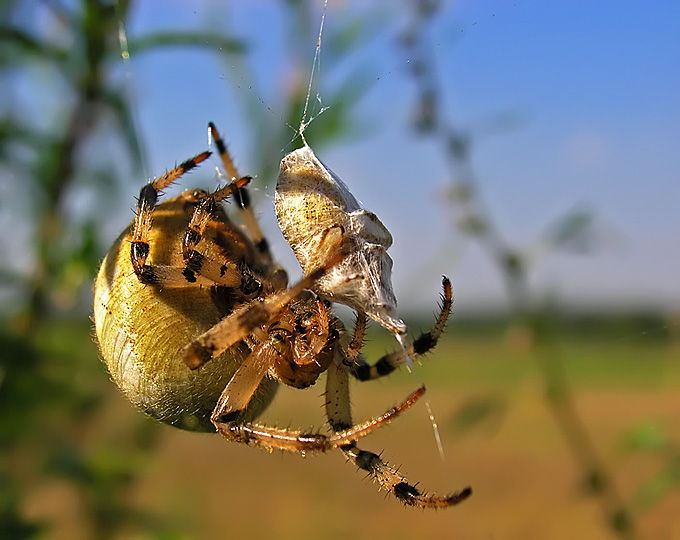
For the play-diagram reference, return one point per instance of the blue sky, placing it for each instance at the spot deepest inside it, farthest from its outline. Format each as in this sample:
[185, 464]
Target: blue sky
[592, 87]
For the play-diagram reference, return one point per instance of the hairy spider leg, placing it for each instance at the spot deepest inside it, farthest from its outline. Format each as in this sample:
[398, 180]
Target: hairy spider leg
[148, 197]
[338, 411]
[204, 213]
[247, 318]
[197, 264]
[168, 276]
[239, 391]
[424, 343]
[242, 198]
[199, 270]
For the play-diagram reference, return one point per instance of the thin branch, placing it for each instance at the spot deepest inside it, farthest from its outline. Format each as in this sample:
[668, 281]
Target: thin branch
[479, 224]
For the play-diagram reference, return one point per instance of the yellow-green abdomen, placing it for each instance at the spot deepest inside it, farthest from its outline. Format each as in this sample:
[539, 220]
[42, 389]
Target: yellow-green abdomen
[141, 328]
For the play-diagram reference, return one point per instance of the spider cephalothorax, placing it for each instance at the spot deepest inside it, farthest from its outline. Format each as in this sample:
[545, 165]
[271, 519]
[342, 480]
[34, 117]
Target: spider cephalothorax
[198, 326]
[305, 337]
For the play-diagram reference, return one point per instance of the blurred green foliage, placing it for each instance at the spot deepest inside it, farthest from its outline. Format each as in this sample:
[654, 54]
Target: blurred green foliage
[51, 385]
[652, 438]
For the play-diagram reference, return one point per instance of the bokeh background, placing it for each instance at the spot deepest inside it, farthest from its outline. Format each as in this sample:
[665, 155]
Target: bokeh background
[526, 149]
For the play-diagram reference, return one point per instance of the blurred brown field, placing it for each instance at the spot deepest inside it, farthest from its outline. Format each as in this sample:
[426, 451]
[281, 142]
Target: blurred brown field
[497, 433]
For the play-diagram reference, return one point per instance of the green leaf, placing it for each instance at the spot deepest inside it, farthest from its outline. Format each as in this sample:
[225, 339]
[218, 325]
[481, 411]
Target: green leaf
[648, 436]
[659, 485]
[572, 232]
[183, 39]
[23, 43]
[123, 114]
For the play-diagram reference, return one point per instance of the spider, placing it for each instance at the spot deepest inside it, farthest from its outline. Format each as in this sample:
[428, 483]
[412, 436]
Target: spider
[198, 327]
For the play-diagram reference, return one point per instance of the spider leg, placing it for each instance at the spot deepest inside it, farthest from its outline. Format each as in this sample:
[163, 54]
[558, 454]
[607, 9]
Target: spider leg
[203, 214]
[363, 371]
[198, 266]
[199, 270]
[354, 357]
[148, 196]
[387, 477]
[242, 198]
[239, 391]
[236, 326]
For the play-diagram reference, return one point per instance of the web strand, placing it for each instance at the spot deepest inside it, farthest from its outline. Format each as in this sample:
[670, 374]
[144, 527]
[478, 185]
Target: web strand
[129, 86]
[433, 421]
[317, 60]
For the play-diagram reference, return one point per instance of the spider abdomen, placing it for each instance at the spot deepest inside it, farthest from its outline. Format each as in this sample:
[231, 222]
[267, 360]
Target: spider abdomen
[141, 329]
